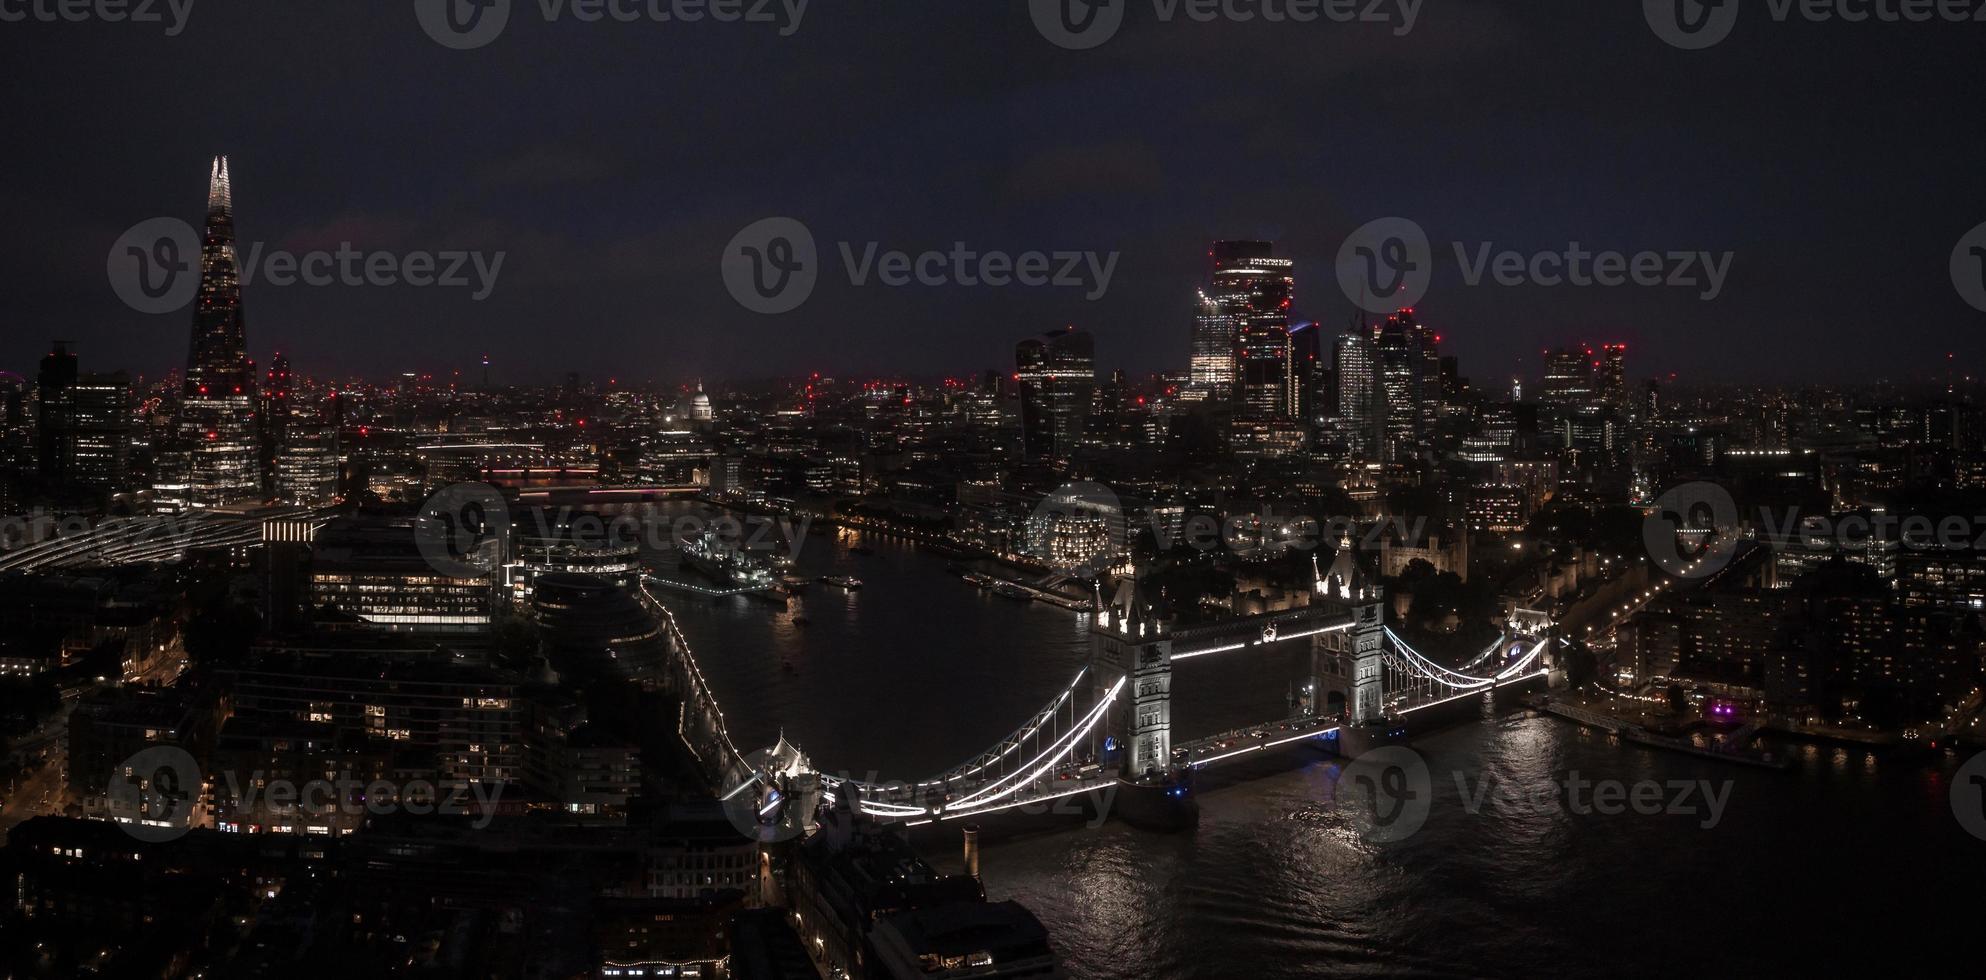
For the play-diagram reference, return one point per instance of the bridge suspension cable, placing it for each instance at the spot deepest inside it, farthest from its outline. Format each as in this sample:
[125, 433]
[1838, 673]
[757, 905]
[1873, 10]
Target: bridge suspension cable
[1014, 740]
[1418, 664]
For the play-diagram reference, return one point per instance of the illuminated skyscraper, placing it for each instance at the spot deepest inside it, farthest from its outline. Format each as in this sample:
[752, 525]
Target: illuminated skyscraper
[1057, 375]
[1241, 341]
[1613, 374]
[214, 461]
[1356, 366]
[1409, 374]
[1569, 379]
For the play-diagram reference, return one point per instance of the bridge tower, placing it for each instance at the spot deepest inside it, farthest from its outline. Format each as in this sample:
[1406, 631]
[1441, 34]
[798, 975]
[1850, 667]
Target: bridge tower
[1133, 643]
[1347, 585]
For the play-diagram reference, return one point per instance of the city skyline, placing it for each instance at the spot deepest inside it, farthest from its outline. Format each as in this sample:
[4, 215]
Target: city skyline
[1245, 313]
[1019, 145]
[1049, 489]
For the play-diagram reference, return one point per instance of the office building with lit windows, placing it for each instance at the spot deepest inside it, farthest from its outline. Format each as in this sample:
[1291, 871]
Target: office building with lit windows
[1057, 375]
[371, 574]
[1246, 306]
[1408, 372]
[307, 466]
[84, 424]
[468, 724]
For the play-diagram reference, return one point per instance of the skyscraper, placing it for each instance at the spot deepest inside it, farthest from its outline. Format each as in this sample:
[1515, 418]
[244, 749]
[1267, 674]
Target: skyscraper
[214, 461]
[84, 424]
[1057, 375]
[1409, 373]
[1241, 341]
[1569, 379]
[1356, 366]
[53, 384]
[1613, 374]
[273, 414]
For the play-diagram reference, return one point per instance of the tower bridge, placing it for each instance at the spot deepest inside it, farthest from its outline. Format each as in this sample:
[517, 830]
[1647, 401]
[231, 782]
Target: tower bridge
[1111, 727]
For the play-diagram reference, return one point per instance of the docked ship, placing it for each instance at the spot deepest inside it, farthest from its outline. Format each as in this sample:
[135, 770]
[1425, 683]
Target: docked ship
[849, 582]
[726, 564]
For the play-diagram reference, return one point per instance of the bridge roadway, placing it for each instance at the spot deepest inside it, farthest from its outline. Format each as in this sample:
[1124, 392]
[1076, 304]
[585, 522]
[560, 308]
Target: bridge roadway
[1261, 629]
[134, 540]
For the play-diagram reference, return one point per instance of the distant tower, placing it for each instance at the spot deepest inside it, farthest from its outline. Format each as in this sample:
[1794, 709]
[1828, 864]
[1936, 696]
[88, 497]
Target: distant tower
[1132, 643]
[214, 462]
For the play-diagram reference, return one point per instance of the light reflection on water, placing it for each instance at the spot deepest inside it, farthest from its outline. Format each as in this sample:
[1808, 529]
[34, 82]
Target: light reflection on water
[1828, 865]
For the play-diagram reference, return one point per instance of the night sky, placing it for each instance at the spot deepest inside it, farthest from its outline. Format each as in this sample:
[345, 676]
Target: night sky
[614, 161]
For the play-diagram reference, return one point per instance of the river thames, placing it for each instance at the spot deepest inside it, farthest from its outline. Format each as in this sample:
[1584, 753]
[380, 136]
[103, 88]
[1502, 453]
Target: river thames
[1510, 875]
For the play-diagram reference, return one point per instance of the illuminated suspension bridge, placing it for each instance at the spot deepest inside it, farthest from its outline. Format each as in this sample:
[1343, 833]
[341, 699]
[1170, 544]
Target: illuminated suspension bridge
[1110, 726]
